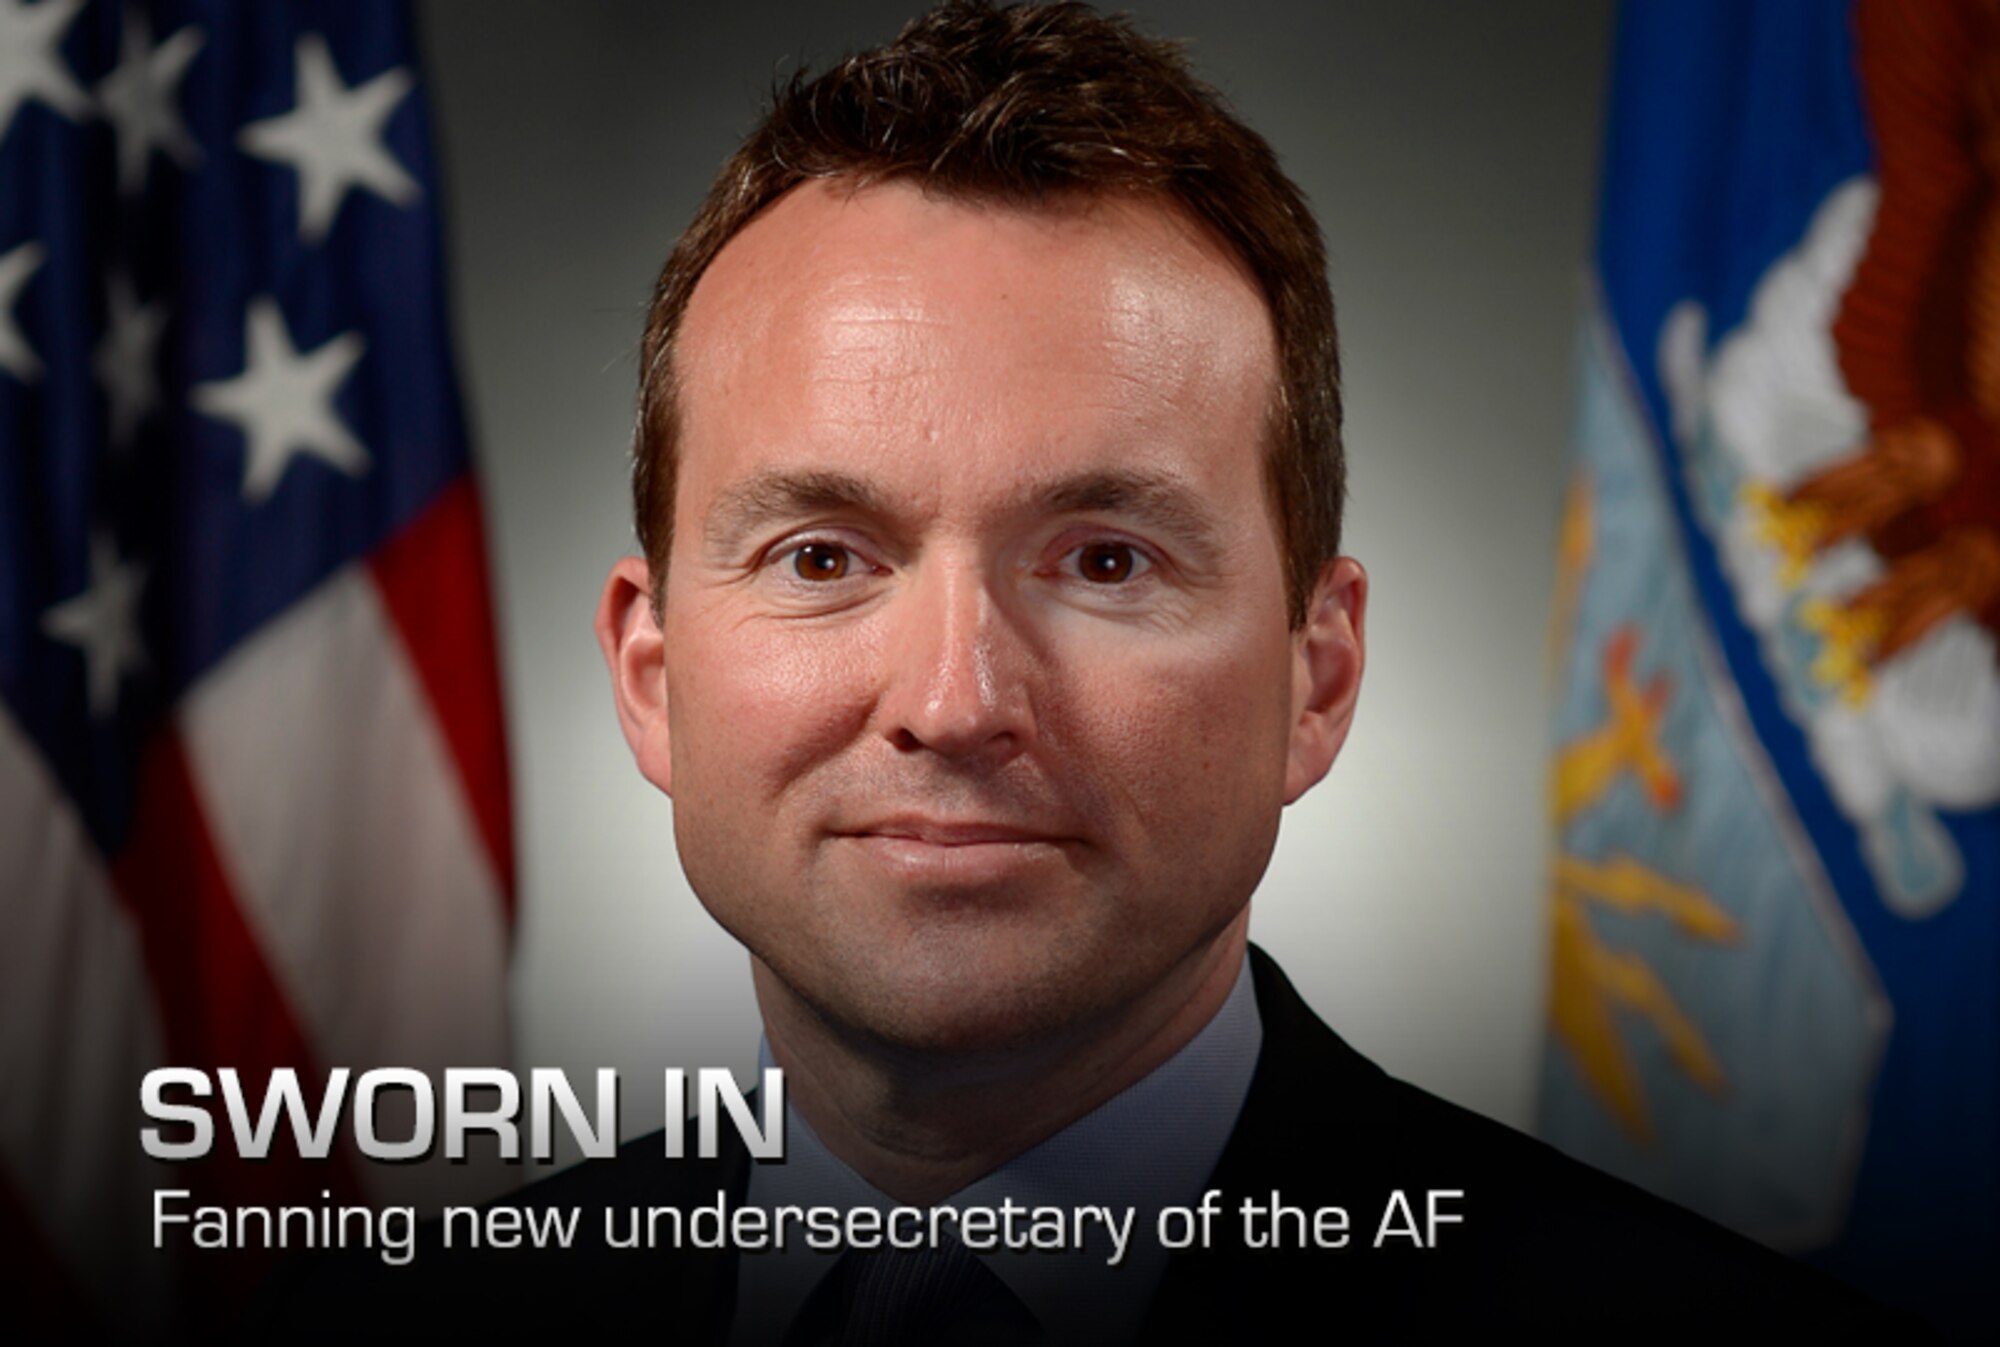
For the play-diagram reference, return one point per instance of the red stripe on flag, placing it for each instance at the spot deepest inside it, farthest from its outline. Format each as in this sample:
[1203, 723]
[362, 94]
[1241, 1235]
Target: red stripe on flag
[432, 577]
[220, 1004]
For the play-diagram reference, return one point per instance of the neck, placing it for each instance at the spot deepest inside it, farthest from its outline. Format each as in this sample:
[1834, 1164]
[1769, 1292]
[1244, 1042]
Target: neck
[920, 1128]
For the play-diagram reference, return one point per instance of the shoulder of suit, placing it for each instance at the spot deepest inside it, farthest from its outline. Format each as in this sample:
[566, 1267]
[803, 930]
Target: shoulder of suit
[457, 1288]
[1563, 1242]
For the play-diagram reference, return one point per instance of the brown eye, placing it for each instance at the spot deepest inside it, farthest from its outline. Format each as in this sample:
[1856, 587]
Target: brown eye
[820, 561]
[1106, 563]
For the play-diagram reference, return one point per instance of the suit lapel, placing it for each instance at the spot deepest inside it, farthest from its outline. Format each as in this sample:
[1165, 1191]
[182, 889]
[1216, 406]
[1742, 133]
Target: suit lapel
[1302, 1133]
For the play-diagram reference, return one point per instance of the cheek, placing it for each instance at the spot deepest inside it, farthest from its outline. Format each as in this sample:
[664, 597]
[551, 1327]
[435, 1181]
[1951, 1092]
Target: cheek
[761, 705]
[1184, 730]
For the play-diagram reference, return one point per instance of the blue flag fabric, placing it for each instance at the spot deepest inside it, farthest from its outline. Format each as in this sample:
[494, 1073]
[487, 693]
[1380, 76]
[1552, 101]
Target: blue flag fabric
[1776, 793]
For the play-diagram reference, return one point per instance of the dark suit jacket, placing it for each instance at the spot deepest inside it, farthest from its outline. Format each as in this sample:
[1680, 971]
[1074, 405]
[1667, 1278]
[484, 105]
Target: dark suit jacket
[1546, 1244]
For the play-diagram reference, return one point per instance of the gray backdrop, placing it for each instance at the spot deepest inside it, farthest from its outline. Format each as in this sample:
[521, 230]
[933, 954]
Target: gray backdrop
[1451, 152]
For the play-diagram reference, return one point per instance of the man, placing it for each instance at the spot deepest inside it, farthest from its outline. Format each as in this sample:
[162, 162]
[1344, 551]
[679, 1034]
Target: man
[988, 476]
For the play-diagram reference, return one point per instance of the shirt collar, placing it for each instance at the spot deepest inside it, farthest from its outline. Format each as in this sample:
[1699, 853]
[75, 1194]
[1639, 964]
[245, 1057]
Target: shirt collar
[1151, 1146]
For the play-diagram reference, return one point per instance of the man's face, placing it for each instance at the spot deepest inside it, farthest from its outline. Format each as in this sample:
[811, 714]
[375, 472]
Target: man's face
[980, 702]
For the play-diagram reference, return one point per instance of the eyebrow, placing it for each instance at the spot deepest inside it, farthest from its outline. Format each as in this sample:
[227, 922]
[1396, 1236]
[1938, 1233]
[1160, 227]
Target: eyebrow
[1159, 502]
[780, 494]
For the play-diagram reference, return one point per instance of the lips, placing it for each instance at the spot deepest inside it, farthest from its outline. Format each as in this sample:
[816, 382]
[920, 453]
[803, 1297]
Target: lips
[953, 832]
[936, 854]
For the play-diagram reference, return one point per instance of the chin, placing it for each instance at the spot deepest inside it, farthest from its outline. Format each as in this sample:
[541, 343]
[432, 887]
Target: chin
[966, 992]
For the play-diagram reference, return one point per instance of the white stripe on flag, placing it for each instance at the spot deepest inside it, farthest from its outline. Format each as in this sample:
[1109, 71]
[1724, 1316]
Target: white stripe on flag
[341, 821]
[78, 1029]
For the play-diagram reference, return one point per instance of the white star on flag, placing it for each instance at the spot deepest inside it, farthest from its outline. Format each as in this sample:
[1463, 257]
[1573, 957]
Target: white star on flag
[333, 138]
[138, 97]
[16, 356]
[30, 66]
[103, 622]
[283, 401]
[125, 355]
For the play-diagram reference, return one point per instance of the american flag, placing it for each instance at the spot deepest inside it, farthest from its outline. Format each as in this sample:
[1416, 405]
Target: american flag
[253, 799]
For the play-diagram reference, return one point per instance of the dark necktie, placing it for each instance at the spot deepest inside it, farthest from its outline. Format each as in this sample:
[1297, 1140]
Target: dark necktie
[912, 1298]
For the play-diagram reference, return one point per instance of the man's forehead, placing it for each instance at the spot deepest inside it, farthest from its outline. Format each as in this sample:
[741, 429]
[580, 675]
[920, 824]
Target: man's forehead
[926, 362]
[875, 281]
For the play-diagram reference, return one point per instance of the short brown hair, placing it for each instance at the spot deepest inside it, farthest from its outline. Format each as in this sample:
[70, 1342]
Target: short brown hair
[1024, 105]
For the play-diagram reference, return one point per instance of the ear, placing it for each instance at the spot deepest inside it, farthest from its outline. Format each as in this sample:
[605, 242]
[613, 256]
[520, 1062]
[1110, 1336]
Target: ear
[635, 652]
[1327, 655]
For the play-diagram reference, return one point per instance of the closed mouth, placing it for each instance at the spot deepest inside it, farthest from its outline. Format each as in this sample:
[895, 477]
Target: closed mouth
[954, 833]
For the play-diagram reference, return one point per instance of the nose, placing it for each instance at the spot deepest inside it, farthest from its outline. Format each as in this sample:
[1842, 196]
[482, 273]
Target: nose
[959, 670]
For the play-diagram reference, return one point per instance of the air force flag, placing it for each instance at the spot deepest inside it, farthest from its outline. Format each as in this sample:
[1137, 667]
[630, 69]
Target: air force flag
[1775, 884]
